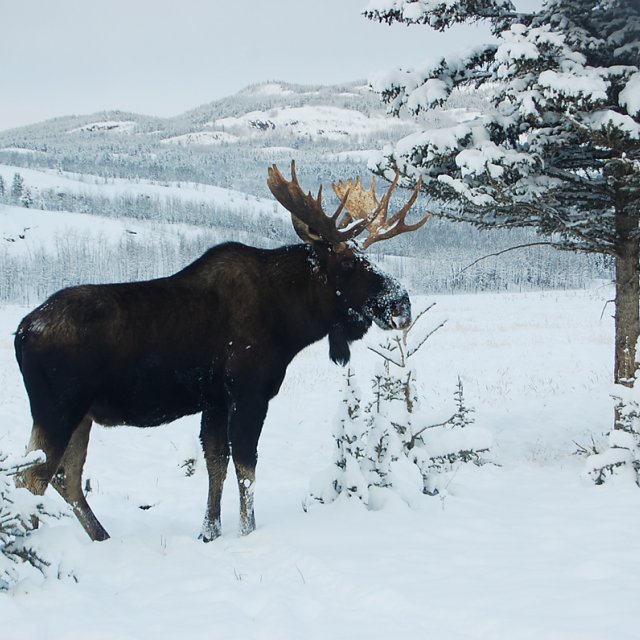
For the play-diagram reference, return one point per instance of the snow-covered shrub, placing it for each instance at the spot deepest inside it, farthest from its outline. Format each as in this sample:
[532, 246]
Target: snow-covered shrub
[388, 420]
[19, 511]
[443, 447]
[387, 441]
[346, 473]
[622, 458]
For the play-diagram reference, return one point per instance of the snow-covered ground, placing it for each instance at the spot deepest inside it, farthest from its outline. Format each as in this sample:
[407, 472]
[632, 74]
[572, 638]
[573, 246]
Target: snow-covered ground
[526, 548]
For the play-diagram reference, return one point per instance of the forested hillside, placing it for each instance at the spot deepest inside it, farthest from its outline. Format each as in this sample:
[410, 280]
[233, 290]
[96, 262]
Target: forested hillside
[206, 170]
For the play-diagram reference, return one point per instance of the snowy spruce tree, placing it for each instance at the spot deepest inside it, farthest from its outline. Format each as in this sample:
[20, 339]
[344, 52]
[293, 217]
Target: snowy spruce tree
[558, 148]
[388, 429]
[17, 187]
[620, 460]
[395, 415]
[384, 441]
[19, 511]
[345, 475]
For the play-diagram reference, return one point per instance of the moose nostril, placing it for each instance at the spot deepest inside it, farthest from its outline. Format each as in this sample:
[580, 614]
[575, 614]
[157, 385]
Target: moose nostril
[401, 314]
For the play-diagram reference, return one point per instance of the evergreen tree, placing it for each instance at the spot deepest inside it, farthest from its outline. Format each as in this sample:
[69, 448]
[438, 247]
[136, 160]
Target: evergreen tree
[345, 475]
[17, 187]
[2, 187]
[384, 445]
[462, 417]
[558, 149]
[621, 458]
[26, 199]
[347, 435]
[19, 511]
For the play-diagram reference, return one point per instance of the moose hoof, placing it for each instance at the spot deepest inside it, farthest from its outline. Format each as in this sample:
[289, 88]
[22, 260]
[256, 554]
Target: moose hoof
[100, 536]
[247, 527]
[206, 539]
[210, 531]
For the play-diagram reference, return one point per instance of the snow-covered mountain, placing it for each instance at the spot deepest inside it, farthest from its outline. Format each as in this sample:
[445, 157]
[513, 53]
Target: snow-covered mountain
[228, 143]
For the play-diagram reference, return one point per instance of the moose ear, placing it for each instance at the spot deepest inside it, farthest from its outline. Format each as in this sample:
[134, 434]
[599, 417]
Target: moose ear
[304, 232]
[339, 351]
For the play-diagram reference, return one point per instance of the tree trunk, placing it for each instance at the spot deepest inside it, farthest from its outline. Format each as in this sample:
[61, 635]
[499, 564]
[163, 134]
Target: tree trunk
[627, 316]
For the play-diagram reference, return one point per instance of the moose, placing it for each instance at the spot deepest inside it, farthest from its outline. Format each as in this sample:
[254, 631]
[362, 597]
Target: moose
[214, 338]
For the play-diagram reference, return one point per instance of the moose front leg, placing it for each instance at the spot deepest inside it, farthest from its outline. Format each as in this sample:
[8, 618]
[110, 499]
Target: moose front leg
[245, 425]
[215, 444]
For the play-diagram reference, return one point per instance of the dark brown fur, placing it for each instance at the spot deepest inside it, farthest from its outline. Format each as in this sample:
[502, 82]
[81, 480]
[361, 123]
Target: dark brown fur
[215, 338]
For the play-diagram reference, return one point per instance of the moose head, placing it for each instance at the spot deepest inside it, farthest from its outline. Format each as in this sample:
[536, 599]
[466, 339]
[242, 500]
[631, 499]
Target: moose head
[364, 294]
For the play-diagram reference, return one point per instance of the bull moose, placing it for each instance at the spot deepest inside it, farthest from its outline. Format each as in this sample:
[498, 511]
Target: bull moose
[215, 338]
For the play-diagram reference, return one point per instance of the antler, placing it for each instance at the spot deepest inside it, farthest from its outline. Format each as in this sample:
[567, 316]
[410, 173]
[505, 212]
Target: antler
[310, 221]
[364, 206]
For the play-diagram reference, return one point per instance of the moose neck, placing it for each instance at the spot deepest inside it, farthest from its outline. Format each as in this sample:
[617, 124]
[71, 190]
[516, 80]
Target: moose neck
[308, 298]
[287, 292]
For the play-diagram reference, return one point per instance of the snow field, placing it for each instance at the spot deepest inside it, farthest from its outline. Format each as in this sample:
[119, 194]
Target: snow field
[42, 179]
[526, 548]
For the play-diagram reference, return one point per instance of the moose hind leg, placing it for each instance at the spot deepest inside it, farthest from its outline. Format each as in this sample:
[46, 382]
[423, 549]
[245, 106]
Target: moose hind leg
[68, 481]
[215, 444]
[245, 426]
[37, 478]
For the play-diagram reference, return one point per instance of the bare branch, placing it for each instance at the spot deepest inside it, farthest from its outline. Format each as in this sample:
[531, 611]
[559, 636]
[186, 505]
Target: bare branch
[385, 357]
[410, 352]
[499, 253]
[432, 426]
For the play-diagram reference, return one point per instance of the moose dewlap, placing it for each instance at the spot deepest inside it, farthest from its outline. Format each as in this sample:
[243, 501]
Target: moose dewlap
[214, 338]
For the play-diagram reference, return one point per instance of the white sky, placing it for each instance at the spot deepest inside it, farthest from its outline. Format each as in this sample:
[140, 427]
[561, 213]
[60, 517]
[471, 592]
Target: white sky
[163, 57]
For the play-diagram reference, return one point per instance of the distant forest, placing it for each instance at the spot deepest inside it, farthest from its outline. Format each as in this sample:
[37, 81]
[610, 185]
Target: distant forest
[431, 261]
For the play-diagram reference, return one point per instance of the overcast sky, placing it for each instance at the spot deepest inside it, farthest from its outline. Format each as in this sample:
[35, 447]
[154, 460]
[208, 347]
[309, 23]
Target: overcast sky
[163, 57]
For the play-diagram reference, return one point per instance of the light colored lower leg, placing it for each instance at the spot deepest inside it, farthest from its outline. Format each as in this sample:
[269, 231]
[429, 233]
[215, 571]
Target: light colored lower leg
[246, 482]
[217, 469]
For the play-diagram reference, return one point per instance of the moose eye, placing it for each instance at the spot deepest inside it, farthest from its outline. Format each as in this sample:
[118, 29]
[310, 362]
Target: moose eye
[348, 264]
